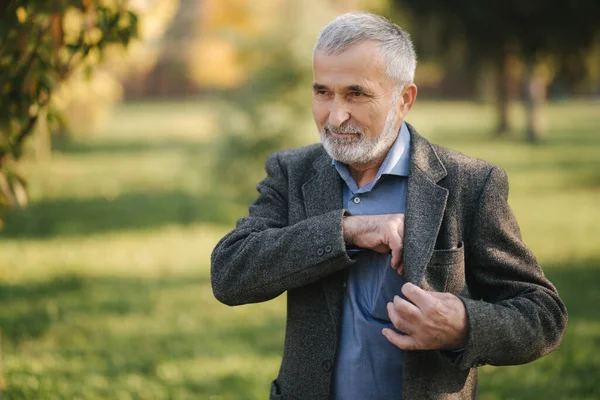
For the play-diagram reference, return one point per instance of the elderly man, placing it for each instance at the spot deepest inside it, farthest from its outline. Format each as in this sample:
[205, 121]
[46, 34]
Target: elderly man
[403, 264]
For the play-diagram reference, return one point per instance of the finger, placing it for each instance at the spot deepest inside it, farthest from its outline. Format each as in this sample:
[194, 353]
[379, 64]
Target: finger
[397, 320]
[406, 309]
[400, 269]
[395, 256]
[399, 262]
[382, 248]
[422, 299]
[403, 315]
[404, 342]
[395, 245]
[400, 227]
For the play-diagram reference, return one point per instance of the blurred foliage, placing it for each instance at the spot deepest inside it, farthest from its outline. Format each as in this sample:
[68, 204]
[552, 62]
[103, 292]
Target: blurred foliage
[86, 99]
[547, 36]
[41, 44]
[265, 60]
[266, 78]
[555, 26]
[225, 30]
[263, 116]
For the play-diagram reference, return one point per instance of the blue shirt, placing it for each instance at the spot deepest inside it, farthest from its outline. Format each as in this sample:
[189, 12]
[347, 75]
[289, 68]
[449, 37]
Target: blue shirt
[367, 366]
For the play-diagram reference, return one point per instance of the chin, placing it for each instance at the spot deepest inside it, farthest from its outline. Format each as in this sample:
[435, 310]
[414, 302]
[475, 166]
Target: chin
[348, 156]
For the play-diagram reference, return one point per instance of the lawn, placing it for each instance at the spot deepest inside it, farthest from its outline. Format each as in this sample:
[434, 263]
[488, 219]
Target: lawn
[104, 280]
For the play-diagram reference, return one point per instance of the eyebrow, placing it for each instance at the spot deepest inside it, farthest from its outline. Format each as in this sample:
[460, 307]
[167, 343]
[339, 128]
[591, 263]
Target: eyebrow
[356, 88]
[352, 88]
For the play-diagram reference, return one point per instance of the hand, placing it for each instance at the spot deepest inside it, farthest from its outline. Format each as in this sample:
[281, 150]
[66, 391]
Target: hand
[436, 321]
[381, 233]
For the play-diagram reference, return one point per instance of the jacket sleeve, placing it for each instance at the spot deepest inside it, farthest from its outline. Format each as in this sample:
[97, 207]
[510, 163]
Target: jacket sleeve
[265, 256]
[519, 316]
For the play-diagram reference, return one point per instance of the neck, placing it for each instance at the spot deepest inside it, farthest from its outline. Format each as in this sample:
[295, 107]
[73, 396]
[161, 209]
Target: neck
[363, 174]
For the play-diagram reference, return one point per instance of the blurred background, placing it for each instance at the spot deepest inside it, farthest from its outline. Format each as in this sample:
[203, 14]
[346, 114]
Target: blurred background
[132, 135]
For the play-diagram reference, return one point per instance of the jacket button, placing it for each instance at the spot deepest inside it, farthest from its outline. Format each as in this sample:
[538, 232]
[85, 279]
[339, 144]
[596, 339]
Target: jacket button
[344, 284]
[320, 252]
[326, 365]
[328, 249]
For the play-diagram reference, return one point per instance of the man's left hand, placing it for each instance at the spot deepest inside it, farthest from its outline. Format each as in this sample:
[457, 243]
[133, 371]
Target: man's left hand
[433, 321]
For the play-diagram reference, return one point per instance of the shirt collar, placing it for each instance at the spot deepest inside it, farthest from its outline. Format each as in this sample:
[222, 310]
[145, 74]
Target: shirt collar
[396, 161]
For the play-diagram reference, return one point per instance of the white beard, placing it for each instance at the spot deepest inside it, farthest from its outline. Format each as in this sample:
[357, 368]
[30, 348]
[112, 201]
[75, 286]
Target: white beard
[360, 150]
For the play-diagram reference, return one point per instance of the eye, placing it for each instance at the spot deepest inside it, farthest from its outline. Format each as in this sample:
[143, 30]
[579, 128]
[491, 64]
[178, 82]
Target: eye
[356, 94]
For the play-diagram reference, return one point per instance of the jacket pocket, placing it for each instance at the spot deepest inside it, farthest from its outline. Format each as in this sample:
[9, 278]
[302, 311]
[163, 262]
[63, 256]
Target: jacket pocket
[446, 270]
[448, 256]
[275, 392]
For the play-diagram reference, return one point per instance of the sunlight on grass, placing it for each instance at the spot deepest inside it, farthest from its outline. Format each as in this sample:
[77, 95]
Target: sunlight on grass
[104, 280]
[169, 250]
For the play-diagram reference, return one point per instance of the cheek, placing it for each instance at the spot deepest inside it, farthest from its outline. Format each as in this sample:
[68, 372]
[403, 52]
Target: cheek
[369, 119]
[320, 112]
[378, 117]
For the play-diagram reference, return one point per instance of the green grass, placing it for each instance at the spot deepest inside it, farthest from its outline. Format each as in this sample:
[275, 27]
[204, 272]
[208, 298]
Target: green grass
[104, 280]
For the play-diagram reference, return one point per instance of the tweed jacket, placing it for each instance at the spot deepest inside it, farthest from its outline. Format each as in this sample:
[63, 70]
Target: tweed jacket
[460, 237]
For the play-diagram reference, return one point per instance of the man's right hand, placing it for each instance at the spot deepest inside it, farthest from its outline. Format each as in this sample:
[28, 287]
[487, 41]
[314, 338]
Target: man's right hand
[381, 233]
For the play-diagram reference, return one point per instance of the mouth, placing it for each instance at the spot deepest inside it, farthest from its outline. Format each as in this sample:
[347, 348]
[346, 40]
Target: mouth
[342, 135]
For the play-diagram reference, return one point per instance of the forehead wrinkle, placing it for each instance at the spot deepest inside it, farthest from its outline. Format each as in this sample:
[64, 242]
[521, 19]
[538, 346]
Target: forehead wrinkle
[360, 65]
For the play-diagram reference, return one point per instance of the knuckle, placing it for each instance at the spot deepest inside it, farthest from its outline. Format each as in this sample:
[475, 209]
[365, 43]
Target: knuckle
[439, 308]
[398, 325]
[396, 321]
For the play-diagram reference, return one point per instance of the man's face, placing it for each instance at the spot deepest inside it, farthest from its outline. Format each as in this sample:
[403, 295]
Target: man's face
[354, 104]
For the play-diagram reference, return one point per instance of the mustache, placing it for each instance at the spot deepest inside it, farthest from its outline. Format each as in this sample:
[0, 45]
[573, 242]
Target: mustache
[343, 129]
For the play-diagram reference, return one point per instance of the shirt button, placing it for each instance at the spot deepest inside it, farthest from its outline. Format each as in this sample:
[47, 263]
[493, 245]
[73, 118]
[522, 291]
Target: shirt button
[326, 365]
[356, 200]
[344, 284]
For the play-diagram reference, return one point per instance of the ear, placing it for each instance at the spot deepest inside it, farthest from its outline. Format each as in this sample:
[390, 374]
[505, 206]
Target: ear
[407, 99]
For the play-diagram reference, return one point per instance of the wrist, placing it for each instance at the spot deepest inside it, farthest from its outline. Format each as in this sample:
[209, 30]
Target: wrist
[462, 327]
[348, 229]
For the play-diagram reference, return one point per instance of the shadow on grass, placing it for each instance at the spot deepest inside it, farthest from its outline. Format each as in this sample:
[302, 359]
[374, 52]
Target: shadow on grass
[35, 320]
[577, 284]
[29, 310]
[571, 371]
[112, 330]
[118, 327]
[64, 217]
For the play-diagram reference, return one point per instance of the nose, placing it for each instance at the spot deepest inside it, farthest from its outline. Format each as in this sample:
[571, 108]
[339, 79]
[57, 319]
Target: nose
[338, 114]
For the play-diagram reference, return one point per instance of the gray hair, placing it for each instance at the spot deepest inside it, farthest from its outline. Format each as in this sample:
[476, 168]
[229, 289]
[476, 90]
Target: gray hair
[354, 28]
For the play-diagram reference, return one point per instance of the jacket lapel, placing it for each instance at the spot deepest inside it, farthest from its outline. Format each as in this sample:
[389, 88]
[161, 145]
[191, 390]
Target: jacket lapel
[323, 191]
[322, 194]
[425, 205]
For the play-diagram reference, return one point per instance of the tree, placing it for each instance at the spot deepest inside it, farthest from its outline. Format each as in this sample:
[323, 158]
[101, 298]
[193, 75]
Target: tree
[534, 29]
[262, 55]
[42, 43]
